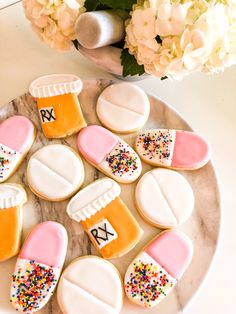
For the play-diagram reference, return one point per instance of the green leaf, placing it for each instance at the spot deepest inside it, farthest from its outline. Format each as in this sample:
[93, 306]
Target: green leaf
[119, 4]
[130, 65]
[91, 5]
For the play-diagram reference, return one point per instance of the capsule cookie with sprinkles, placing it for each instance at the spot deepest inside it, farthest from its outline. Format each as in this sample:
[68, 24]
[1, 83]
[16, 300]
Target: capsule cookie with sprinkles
[109, 154]
[17, 135]
[38, 267]
[157, 269]
[174, 149]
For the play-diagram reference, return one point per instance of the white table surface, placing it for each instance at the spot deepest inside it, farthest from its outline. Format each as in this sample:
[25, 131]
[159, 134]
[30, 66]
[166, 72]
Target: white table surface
[208, 103]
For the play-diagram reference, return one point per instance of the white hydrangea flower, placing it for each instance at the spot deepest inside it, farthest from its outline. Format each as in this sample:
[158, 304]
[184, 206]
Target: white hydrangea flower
[54, 20]
[171, 18]
[190, 35]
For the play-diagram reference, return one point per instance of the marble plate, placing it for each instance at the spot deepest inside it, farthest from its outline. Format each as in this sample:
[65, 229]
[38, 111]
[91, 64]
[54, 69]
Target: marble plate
[203, 226]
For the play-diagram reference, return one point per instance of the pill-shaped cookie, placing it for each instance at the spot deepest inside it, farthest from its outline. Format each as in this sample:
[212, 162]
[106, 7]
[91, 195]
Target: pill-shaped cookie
[174, 149]
[38, 267]
[123, 108]
[12, 197]
[17, 135]
[90, 285]
[110, 225]
[156, 270]
[109, 154]
[164, 198]
[57, 99]
[55, 172]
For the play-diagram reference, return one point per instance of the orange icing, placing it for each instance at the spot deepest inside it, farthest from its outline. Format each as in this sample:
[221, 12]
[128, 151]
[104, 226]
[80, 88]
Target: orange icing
[10, 232]
[69, 117]
[123, 222]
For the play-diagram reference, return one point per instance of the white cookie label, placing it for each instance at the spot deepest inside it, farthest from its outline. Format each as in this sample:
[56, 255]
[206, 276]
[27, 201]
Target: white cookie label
[103, 233]
[47, 114]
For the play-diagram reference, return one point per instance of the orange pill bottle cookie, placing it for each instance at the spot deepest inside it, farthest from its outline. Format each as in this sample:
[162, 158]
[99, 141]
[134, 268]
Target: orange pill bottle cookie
[110, 225]
[12, 198]
[59, 109]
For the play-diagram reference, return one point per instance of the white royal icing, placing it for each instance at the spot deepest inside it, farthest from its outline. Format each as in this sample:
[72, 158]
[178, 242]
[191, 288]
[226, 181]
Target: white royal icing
[122, 163]
[8, 161]
[123, 107]
[146, 282]
[55, 172]
[11, 195]
[156, 146]
[165, 197]
[92, 198]
[54, 85]
[102, 233]
[90, 285]
[32, 285]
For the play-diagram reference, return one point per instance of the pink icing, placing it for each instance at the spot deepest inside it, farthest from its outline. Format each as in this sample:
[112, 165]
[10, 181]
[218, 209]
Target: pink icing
[190, 151]
[16, 133]
[173, 251]
[46, 244]
[95, 142]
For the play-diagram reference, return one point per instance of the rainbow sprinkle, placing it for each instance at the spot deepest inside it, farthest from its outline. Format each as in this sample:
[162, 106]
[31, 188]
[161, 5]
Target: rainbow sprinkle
[148, 283]
[157, 144]
[122, 160]
[5, 160]
[33, 284]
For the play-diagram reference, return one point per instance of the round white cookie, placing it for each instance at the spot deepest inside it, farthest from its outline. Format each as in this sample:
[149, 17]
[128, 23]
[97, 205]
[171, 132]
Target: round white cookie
[90, 285]
[55, 172]
[164, 198]
[123, 108]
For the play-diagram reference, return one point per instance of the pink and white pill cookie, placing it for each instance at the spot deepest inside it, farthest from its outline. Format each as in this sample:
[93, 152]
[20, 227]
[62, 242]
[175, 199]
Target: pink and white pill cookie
[173, 149]
[38, 267]
[123, 108]
[164, 198]
[156, 270]
[109, 154]
[90, 284]
[17, 135]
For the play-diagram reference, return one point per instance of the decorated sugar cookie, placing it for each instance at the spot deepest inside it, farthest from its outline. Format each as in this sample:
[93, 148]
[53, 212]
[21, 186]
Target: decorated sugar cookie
[173, 149]
[164, 198]
[55, 172]
[90, 285]
[123, 108]
[155, 271]
[104, 216]
[38, 267]
[58, 105]
[109, 154]
[12, 197]
[17, 135]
